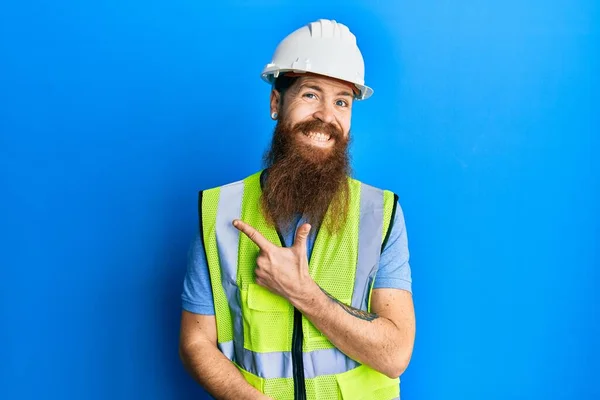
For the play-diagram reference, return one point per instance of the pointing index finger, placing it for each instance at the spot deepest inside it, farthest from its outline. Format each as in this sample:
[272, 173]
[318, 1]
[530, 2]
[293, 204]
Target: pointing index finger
[252, 234]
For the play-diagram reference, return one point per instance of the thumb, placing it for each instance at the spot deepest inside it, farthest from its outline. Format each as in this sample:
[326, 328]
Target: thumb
[301, 236]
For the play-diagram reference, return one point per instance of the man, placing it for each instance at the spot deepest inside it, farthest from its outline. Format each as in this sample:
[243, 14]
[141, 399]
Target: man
[298, 285]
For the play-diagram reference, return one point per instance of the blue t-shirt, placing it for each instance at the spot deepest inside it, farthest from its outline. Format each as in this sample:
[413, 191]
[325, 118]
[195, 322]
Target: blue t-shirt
[393, 272]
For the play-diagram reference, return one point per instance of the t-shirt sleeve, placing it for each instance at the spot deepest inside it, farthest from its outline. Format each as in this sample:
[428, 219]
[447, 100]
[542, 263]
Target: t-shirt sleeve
[394, 268]
[197, 294]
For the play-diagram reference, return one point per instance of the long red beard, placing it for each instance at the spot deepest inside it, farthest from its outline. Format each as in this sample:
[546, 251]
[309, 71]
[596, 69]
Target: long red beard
[302, 179]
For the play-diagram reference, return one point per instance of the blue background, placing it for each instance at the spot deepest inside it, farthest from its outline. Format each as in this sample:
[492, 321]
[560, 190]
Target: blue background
[485, 121]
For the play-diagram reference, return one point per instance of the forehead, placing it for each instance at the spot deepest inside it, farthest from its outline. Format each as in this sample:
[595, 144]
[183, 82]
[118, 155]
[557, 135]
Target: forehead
[325, 83]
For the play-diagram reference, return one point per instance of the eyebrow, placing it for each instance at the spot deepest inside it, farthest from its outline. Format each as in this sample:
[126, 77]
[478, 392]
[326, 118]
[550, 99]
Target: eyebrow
[317, 88]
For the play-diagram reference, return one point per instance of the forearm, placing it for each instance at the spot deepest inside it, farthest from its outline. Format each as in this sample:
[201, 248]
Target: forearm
[365, 337]
[219, 376]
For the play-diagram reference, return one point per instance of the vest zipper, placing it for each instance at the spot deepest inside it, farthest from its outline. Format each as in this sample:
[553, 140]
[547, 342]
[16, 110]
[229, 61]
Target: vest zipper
[297, 339]
[297, 360]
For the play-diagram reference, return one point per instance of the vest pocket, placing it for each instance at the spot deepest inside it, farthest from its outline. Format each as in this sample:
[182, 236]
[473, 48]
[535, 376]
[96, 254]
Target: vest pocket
[314, 338]
[265, 315]
[256, 381]
[261, 299]
[364, 383]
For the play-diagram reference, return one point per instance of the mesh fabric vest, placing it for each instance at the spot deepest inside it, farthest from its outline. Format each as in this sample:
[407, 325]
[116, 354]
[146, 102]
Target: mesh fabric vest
[277, 350]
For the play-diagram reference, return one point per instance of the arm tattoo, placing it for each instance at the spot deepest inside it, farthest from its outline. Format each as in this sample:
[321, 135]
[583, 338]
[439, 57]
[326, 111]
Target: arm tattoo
[364, 315]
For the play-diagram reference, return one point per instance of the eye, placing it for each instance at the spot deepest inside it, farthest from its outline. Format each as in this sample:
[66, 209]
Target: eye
[341, 103]
[310, 95]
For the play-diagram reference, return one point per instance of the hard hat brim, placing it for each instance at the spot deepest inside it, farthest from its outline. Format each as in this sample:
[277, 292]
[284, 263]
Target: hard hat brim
[362, 92]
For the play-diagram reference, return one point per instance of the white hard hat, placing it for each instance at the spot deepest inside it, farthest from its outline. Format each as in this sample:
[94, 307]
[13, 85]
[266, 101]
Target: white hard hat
[324, 47]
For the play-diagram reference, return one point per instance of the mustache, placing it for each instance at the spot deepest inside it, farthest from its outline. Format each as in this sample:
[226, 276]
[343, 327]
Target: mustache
[318, 126]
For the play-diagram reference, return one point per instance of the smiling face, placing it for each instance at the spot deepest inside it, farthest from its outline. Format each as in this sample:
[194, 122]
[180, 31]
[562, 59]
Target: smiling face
[308, 162]
[318, 109]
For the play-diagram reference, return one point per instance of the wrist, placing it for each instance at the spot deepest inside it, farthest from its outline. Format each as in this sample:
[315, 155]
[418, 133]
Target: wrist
[307, 296]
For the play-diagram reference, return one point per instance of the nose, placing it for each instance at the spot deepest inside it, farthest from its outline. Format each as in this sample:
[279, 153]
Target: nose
[325, 113]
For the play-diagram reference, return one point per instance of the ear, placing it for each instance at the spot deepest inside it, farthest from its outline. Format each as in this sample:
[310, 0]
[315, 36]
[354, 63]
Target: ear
[275, 98]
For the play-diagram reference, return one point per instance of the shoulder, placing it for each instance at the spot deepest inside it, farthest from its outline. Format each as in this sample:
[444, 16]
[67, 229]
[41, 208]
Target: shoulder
[384, 201]
[371, 188]
[249, 179]
[373, 194]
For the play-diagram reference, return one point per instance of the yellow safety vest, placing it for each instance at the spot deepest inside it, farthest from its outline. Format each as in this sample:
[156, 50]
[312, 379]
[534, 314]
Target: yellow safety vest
[277, 350]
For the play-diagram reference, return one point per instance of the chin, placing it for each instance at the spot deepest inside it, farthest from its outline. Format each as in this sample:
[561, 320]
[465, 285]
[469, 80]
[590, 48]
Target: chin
[315, 155]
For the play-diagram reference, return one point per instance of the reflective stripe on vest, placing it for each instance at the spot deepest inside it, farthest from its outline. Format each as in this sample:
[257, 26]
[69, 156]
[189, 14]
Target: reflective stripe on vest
[271, 369]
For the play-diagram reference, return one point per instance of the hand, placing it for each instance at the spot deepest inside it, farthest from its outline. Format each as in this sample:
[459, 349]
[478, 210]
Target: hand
[282, 270]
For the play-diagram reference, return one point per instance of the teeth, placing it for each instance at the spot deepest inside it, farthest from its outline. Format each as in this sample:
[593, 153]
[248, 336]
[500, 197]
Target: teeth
[318, 136]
